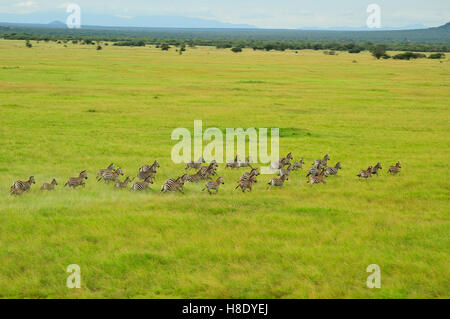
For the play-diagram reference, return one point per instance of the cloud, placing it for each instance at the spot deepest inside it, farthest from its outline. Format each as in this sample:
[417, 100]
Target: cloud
[26, 4]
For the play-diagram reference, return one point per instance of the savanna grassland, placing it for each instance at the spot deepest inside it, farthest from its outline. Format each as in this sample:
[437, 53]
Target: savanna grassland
[63, 110]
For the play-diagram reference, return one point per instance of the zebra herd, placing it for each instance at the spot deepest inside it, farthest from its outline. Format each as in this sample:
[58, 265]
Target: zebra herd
[146, 174]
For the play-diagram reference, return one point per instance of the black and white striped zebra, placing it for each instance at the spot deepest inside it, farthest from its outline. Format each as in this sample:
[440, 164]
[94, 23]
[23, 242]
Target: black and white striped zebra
[109, 168]
[141, 186]
[298, 165]
[195, 165]
[124, 184]
[376, 168]
[395, 169]
[148, 171]
[249, 175]
[333, 170]
[321, 163]
[173, 185]
[109, 176]
[77, 181]
[49, 186]
[24, 185]
[213, 185]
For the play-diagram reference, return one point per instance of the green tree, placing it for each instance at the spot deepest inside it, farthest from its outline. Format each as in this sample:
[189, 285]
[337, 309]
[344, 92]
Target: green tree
[378, 51]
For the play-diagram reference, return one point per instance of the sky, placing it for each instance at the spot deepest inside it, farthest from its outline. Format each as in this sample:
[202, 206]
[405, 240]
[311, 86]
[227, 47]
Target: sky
[286, 14]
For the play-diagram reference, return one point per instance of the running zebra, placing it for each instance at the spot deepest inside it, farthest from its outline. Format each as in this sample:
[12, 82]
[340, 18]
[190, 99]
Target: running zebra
[285, 171]
[123, 184]
[246, 184]
[298, 165]
[109, 176]
[234, 164]
[333, 170]
[247, 162]
[109, 168]
[278, 182]
[321, 163]
[24, 186]
[365, 173]
[195, 165]
[140, 186]
[173, 185]
[317, 179]
[247, 176]
[376, 168]
[395, 169]
[313, 171]
[285, 160]
[77, 181]
[209, 185]
[148, 171]
[49, 186]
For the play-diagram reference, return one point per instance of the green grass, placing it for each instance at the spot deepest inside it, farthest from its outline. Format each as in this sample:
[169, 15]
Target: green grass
[63, 110]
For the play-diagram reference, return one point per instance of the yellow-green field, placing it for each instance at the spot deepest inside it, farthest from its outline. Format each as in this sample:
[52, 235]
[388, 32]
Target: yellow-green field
[63, 110]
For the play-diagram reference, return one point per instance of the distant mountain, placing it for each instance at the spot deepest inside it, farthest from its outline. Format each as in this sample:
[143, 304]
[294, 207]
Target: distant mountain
[364, 28]
[88, 19]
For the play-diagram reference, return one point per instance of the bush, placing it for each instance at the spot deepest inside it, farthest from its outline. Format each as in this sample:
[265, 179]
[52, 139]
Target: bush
[354, 50]
[378, 51]
[236, 49]
[437, 56]
[409, 56]
[165, 47]
[99, 47]
[28, 44]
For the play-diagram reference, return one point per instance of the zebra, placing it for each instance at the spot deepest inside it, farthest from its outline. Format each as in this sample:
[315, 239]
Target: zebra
[246, 184]
[147, 171]
[209, 185]
[195, 165]
[253, 173]
[123, 184]
[108, 176]
[76, 181]
[313, 171]
[376, 168]
[285, 160]
[174, 184]
[24, 186]
[317, 179]
[206, 171]
[278, 182]
[140, 186]
[298, 165]
[234, 164]
[285, 171]
[365, 173]
[320, 163]
[333, 170]
[395, 169]
[194, 178]
[247, 162]
[109, 168]
[49, 186]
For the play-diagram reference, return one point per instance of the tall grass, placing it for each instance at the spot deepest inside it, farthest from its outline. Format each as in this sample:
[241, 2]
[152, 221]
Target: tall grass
[63, 110]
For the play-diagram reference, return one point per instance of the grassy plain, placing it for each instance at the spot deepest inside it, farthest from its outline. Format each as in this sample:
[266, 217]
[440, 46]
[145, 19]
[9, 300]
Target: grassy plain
[67, 109]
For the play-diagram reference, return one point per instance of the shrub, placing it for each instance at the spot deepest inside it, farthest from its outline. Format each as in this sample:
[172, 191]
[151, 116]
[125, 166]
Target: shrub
[99, 47]
[165, 47]
[409, 56]
[437, 56]
[355, 50]
[28, 44]
[236, 49]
